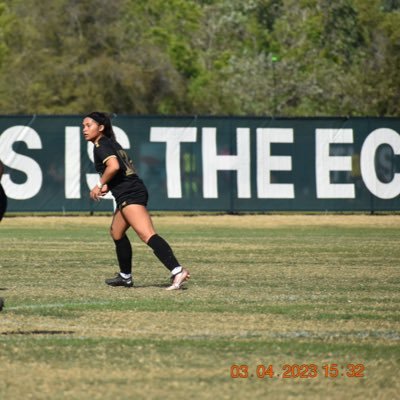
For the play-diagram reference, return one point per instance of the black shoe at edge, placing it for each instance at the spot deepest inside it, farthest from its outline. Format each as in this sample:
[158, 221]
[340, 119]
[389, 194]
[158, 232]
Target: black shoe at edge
[118, 280]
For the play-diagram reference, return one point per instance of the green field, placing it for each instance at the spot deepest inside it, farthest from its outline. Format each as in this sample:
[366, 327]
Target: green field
[298, 292]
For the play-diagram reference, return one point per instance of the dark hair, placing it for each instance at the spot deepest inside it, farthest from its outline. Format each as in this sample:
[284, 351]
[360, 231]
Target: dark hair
[103, 119]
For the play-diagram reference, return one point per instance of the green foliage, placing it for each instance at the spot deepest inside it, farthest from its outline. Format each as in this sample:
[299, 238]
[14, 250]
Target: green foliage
[6, 21]
[208, 57]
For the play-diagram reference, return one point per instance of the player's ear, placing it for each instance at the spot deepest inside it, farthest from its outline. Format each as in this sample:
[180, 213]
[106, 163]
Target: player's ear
[101, 128]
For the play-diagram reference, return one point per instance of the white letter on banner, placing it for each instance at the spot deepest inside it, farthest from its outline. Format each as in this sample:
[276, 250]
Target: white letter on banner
[173, 137]
[324, 164]
[212, 163]
[72, 162]
[267, 163]
[367, 163]
[33, 183]
[123, 140]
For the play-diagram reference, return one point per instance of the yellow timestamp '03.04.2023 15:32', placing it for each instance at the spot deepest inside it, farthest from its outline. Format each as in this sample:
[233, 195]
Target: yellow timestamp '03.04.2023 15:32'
[300, 371]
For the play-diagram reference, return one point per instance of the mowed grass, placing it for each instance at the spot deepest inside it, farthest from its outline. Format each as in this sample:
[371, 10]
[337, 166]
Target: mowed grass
[265, 290]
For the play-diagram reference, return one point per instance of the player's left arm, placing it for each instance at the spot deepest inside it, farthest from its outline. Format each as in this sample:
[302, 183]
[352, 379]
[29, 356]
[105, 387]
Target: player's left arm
[112, 167]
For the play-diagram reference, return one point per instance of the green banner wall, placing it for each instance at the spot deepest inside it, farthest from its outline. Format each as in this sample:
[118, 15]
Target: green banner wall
[210, 163]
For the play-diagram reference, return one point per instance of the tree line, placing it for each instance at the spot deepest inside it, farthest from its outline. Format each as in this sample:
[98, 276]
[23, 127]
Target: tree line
[210, 57]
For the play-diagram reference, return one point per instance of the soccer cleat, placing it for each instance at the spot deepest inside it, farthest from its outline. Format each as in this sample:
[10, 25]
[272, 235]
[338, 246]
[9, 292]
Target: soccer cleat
[118, 280]
[179, 279]
[1, 303]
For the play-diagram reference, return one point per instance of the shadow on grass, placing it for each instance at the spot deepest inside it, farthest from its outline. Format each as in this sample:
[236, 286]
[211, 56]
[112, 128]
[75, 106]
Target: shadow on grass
[37, 332]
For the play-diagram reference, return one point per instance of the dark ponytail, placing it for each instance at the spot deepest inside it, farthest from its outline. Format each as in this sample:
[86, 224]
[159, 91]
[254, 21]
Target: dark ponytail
[103, 119]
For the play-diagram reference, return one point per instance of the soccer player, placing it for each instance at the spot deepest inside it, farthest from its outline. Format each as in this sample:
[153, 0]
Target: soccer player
[118, 174]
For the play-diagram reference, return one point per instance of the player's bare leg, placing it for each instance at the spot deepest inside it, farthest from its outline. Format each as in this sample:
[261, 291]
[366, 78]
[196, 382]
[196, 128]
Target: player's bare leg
[123, 248]
[139, 219]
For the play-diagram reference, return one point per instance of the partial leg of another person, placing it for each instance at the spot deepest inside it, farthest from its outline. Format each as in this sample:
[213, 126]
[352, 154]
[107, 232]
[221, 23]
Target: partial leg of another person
[123, 249]
[3, 202]
[139, 219]
[3, 206]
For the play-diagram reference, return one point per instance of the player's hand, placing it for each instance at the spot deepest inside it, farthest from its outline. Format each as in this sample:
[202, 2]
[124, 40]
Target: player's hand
[96, 193]
[104, 189]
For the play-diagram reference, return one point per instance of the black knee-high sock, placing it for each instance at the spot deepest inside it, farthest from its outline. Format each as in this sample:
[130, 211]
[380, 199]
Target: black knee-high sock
[163, 252]
[123, 249]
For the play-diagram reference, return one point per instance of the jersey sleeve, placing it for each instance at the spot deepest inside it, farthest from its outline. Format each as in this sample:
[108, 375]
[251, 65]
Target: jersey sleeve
[105, 151]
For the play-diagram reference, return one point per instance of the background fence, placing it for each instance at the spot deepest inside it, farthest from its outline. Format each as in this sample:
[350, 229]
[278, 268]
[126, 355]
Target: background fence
[210, 163]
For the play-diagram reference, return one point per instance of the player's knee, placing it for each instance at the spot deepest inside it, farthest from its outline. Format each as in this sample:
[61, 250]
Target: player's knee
[114, 234]
[145, 236]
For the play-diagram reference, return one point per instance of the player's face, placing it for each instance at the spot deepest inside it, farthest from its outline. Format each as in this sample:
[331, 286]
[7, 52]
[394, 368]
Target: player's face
[92, 131]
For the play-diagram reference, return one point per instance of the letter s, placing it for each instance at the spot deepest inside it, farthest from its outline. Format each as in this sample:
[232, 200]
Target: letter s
[27, 165]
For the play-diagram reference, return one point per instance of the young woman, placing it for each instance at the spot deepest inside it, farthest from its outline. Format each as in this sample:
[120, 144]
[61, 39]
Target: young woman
[117, 174]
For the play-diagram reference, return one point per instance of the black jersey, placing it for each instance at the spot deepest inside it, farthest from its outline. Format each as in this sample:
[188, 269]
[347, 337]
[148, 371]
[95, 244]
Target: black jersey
[126, 178]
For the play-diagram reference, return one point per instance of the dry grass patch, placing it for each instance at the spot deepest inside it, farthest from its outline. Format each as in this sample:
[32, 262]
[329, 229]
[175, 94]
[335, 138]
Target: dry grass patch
[233, 221]
[269, 289]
